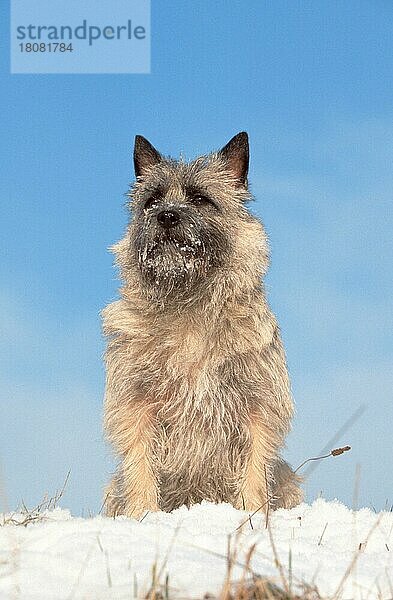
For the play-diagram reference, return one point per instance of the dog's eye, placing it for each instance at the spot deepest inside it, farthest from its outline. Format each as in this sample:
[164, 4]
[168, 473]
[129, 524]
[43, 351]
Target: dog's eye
[200, 200]
[151, 202]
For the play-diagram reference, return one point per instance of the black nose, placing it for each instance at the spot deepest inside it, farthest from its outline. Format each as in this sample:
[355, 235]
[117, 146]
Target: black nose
[168, 218]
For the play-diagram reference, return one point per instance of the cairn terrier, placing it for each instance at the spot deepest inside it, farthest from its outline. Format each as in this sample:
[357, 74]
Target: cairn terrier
[198, 399]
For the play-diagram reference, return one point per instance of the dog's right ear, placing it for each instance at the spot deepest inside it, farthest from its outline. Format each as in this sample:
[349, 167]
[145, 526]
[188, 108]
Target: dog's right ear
[145, 155]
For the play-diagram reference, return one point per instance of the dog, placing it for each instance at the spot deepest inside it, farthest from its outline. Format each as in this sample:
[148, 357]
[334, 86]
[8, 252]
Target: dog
[197, 401]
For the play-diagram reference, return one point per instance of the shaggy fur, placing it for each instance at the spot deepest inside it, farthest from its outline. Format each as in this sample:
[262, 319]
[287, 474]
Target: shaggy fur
[197, 399]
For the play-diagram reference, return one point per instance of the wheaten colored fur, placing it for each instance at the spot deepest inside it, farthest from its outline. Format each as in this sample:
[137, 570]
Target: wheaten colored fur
[197, 399]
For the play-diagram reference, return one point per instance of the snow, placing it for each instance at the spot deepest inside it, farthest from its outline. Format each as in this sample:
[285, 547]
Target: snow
[63, 557]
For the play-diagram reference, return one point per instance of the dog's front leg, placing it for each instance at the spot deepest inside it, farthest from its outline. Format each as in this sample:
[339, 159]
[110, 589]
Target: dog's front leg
[139, 478]
[135, 487]
[256, 486]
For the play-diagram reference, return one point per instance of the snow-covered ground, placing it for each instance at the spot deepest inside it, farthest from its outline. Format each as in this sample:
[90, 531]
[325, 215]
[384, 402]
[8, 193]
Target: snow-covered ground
[62, 557]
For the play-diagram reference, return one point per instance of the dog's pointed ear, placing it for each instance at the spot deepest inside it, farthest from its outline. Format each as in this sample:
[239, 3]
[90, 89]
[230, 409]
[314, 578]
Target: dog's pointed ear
[145, 155]
[236, 155]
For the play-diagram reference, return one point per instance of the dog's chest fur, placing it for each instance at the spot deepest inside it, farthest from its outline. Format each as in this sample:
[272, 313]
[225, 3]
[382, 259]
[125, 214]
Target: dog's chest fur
[184, 360]
[195, 376]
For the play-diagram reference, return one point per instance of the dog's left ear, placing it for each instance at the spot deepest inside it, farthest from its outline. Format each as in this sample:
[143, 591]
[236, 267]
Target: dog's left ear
[236, 155]
[145, 155]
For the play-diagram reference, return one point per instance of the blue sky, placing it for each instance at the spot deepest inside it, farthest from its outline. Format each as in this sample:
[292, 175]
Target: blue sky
[311, 83]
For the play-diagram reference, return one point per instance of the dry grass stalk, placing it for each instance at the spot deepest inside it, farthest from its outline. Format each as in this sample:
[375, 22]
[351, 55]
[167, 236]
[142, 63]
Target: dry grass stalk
[157, 590]
[334, 452]
[252, 586]
[25, 516]
[322, 534]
